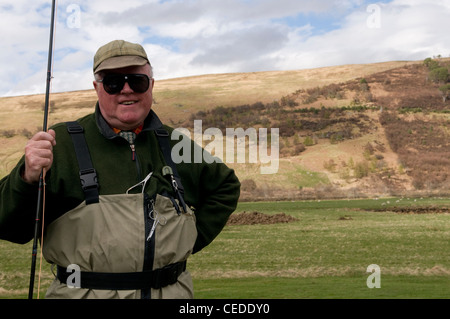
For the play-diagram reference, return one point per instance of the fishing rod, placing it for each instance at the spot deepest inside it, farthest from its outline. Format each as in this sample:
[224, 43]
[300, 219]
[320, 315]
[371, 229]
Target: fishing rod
[41, 178]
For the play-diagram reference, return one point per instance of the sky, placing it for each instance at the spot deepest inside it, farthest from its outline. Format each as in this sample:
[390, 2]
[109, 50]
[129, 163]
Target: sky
[195, 37]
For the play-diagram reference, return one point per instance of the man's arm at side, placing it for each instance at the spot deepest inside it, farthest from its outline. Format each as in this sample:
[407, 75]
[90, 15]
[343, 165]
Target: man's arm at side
[18, 201]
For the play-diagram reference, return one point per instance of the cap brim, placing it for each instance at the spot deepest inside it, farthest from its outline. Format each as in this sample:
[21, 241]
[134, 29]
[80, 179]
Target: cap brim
[121, 62]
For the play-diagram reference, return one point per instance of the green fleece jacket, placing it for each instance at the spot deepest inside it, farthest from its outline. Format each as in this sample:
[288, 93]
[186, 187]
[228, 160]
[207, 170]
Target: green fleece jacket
[211, 189]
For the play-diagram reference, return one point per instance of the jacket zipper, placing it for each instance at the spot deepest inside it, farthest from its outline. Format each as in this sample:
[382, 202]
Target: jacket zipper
[134, 158]
[133, 152]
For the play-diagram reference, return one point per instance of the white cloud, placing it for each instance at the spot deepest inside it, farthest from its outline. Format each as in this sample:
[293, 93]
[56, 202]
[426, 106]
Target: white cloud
[406, 32]
[190, 37]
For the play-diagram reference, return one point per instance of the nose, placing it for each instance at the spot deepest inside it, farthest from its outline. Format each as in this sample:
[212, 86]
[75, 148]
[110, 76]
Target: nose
[126, 89]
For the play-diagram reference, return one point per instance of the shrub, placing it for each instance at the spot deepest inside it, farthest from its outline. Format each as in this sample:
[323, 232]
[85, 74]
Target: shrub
[361, 169]
[345, 173]
[248, 185]
[439, 75]
[363, 85]
[308, 141]
[299, 148]
[369, 148]
[330, 165]
[8, 133]
[26, 133]
[431, 64]
[445, 91]
[351, 163]
[288, 101]
[336, 138]
[334, 91]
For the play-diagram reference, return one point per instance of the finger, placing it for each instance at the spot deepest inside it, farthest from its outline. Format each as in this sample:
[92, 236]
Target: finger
[44, 136]
[41, 144]
[40, 153]
[37, 149]
[53, 134]
[37, 163]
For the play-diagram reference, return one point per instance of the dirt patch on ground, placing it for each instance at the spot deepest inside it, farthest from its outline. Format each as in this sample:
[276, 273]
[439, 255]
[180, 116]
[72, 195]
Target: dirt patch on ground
[253, 218]
[417, 210]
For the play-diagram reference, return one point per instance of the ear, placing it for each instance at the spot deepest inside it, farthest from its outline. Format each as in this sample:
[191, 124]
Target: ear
[95, 83]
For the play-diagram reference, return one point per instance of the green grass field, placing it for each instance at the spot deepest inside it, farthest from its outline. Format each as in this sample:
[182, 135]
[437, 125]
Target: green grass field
[323, 255]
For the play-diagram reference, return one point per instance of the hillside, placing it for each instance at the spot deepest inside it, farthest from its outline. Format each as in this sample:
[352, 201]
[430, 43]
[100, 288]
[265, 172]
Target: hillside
[346, 131]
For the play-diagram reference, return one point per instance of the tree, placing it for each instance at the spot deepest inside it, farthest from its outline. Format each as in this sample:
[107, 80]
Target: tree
[439, 75]
[445, 91]
[431, 64]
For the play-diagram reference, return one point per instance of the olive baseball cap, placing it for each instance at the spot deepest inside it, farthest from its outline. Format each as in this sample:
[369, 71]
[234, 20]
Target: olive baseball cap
[119, 54]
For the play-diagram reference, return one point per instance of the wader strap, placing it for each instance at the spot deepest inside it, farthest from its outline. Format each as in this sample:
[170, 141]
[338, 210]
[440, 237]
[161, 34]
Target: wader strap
[155, 279]
[88, 175]
[163, 139]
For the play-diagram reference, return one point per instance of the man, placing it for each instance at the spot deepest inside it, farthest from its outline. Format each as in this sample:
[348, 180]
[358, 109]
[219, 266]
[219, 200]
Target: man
[116, 206]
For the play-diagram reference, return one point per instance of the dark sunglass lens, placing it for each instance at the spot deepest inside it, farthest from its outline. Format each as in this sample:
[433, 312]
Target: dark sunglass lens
[113, 84]
[139, 83]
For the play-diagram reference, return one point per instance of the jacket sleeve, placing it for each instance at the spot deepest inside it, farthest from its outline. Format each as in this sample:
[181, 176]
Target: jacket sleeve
[213, 189]
[18, 201]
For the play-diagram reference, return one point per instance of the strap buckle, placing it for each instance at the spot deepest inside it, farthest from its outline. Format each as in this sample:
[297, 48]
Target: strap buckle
[167, 275]
[88, 179]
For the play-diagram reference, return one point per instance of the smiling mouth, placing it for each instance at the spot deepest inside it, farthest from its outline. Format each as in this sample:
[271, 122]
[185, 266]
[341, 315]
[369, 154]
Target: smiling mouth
[128, 102]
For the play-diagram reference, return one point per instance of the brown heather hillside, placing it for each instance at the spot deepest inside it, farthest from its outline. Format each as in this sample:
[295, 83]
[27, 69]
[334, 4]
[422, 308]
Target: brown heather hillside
[347, 131]
[382, 134]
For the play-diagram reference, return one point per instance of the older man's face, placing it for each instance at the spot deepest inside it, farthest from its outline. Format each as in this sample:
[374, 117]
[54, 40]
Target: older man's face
[127, 109]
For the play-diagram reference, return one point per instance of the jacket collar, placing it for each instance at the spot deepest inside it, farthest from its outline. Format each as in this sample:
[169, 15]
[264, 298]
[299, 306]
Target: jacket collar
[151, 123]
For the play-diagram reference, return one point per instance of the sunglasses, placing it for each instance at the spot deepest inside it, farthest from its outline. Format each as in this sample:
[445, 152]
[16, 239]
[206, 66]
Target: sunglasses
[114, 83]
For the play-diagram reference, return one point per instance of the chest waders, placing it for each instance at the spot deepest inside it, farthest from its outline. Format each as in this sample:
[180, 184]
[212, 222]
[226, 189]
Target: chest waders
[125, 245]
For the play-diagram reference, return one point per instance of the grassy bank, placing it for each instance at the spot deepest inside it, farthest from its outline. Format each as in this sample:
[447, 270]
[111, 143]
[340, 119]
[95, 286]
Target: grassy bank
[324, 254]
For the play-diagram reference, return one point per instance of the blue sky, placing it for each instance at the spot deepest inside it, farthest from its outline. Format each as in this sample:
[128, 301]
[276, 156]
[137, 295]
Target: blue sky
[194, 37]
